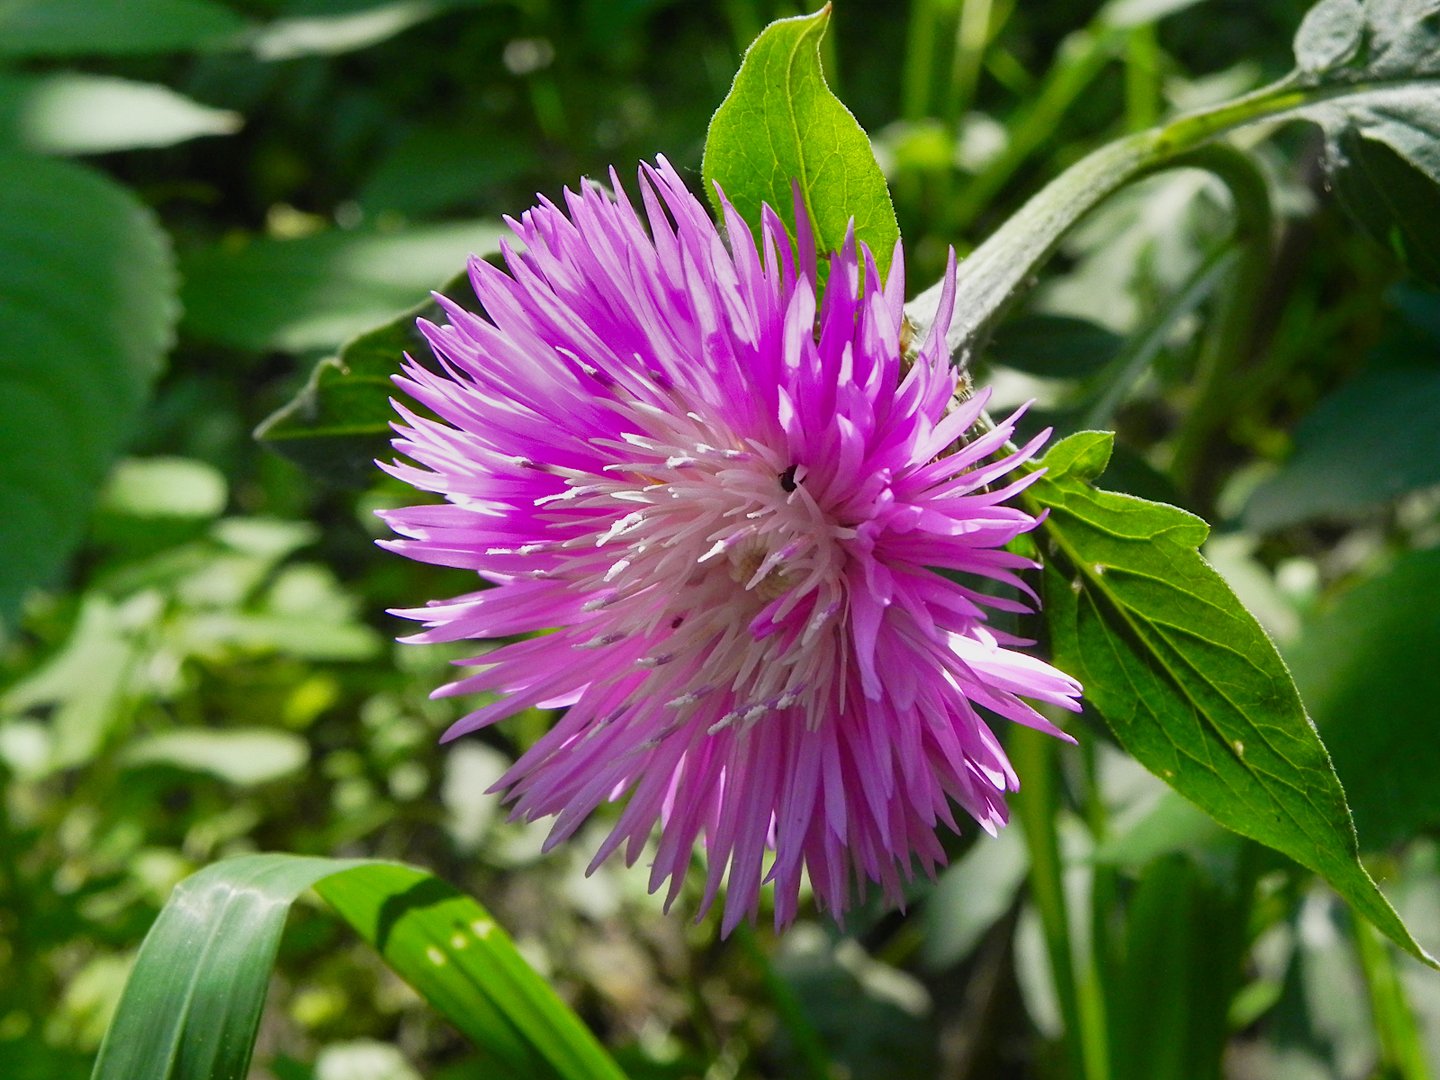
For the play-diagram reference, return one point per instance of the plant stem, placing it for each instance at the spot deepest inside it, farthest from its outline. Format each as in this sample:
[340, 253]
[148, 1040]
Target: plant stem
[1401, 1054]
[1037, 805]
[998, 271]
[1229, 339]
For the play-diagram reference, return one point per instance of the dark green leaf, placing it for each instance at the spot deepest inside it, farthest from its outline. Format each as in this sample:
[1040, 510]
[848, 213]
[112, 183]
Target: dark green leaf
[339, 423]
[1373, 440]
[106, 27]
[1383, 135]
[1184, 675]
[1366, 667]
[192, 1005]
[1054, 346]
[315, 292]
[87, 310]
[781, 124]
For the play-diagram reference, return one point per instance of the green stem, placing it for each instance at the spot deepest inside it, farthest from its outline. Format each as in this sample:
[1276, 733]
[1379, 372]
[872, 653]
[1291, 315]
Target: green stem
[1142, 77]
[997, 272]
[1401, 1054]
[972, 34]
[1037, 805]
[1132, 361]
[1229, 339]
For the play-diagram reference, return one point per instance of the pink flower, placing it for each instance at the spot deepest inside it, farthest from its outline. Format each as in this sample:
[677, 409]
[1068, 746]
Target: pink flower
[747, 546]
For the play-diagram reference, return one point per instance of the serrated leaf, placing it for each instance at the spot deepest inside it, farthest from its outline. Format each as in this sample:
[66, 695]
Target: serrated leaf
[111, 27]
[1383, 127]
[1185, 677]
[193, 1002]
[87, 312]
[1366, 667]
[339, 422]
[780, 124]
[75, 113]
[315, 292]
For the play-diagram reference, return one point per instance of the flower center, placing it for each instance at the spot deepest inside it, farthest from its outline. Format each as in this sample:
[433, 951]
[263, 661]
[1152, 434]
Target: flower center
[720, 563]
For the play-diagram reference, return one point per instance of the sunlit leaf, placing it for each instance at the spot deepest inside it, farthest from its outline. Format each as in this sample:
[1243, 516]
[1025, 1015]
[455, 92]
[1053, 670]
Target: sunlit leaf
[781, 124]
[1184, 675]
[192, 1005]
[74, 113]
[87, 310]
[243, 757]
[315, 292]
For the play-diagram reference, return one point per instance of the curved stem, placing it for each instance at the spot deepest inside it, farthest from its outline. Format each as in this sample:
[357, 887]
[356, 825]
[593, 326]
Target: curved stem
[997, 272]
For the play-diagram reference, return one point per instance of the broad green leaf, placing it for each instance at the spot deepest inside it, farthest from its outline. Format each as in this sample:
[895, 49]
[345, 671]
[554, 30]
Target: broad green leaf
[1366, 667]
[106, 27]
[243, 757]
[450, 949]
[1184, 675]
[74, 113]
[1184, 942]
[1383, 134]
[779, 125]
[87, 311]
[339, 422]
[1373, 440]
[314, 292]
[193, 1002]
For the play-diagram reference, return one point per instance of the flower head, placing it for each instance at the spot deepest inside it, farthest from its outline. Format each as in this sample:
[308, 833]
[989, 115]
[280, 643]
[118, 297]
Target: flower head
[750, 543]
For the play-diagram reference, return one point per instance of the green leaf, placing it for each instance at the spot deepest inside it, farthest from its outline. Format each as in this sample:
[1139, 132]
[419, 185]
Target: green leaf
[73, 113]
[1366, 667]
[243, 757]
[330, 27]
[1373, 440]
[1054, 346]
[1186, 678]
[339, 422]
[781, 124]
[314, 292]
[87, 311]
[110, 27]
[1382, 137]
[192, 1005]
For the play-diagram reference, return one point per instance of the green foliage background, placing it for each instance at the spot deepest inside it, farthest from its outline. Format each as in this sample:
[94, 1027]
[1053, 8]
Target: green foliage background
[200, 201]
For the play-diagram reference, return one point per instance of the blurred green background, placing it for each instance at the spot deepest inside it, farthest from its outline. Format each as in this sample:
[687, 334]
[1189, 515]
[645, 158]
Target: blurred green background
[200, 200]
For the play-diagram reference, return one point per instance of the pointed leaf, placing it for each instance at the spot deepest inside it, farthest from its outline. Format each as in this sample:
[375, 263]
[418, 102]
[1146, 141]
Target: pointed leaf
[779, 125]
[192, 1005]
[1186, 678]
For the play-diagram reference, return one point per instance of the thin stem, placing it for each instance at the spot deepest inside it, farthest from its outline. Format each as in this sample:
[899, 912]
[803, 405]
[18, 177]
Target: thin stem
[1228, 342]
[1142, 77]
[972, 34]
[1140, 349]
[1037, 805]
